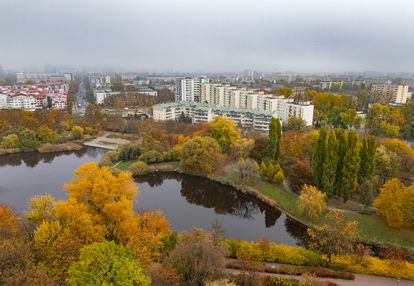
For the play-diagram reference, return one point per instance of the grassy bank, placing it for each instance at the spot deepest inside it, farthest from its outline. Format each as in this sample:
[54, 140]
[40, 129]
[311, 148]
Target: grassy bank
[372, 229]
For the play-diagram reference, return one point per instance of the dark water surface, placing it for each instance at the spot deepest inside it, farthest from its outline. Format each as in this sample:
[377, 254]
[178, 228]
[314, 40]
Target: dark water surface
[187, 201]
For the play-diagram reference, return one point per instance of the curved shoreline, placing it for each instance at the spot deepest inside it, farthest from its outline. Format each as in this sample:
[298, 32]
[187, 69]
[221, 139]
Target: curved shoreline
[226, 182]
[252, 192]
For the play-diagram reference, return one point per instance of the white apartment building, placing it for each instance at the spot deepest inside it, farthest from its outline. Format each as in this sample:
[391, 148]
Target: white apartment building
[230, 97]
[257, 120]
[189, 89]
[396, 93]
[23, 101]
[101, 94]
[287, 108]
[3, 101]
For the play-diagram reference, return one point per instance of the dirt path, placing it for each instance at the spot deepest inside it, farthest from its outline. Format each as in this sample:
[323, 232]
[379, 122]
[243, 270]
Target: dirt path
[105, 142]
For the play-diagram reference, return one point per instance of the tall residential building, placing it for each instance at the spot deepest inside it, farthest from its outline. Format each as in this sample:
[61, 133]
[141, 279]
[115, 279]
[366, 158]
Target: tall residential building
[189, 89]
[394, 93]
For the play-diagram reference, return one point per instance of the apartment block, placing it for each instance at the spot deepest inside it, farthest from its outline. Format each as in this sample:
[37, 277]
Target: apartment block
[189, 89]
[257, 120]
[398, 94]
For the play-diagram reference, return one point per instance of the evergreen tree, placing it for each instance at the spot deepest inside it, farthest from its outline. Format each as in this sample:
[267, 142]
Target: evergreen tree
[275, 134]
[367, 158]
[270, 171]
[263, 169]
[350, 167]
[330, 165]
[318, 157]
[341, 138]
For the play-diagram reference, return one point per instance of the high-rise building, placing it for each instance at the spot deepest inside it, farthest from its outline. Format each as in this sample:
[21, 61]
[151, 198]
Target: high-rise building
[189, 89]
[392, 93]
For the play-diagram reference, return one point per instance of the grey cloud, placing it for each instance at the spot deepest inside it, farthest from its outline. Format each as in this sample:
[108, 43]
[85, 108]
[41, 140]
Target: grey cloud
[215, 35]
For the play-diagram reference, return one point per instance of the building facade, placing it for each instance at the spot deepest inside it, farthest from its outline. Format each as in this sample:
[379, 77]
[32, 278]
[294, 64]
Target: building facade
[199, 113]
[189, 89]
[398, 94]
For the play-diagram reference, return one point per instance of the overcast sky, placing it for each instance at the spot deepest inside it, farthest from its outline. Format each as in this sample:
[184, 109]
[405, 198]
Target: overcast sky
[209, 35]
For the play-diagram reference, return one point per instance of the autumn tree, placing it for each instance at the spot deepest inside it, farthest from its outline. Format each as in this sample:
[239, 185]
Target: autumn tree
[10, 142]
[275, 134]
[246, 169]
[46, 134]
[138, 168]
[197, 258]
[335, 236]
[106, 263]
[28, 139]
[299, 174]
[99, 206]
[199, 154]
[311, 201]
[77, 132]
[224, 130]
[395, 203]
[241, 148]
[367, 154]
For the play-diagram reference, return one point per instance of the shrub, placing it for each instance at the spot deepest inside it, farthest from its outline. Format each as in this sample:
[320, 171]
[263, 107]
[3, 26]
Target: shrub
[10, 142]
[28, 140]
[128, 152]
[151, 157]
[90, 131]
[197, 258]
[311, 202]
[46, 135]
[278, 178]
[108, 158]
[138, 168]
[77, 132]
[300, 256]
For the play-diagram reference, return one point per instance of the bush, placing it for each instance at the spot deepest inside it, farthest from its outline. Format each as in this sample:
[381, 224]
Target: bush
[197, 258]
[90, 131]
[10, 142]
[77, 132]
[138, 168]
[278, 179]
[300, 256]
[128, 152]
[274, 253]
[108, 158]
[151, 157]
[28, 140]
[311, 202]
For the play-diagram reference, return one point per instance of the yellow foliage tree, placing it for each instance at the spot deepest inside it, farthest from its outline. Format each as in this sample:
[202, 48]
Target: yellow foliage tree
[224, 130]
[396, 204]
[311, 201]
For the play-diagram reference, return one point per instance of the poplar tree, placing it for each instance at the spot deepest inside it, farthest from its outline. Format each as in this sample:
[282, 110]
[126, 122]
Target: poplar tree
[350, 166]
[275, 134]
[367, 158]
[341, 138]
[318, 157]
[330, 165]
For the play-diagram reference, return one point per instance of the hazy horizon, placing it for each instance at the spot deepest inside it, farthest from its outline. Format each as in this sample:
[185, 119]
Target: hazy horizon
[209, 36]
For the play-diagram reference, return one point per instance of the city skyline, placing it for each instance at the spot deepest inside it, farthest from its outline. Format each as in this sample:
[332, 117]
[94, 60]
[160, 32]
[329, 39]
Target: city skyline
[213, 36]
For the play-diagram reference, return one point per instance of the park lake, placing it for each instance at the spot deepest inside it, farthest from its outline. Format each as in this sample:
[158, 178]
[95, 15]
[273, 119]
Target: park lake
[186, 201]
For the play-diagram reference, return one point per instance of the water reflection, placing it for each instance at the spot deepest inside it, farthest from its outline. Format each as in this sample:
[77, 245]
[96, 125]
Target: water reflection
[25, 175]
[199, 201]
[32, 159]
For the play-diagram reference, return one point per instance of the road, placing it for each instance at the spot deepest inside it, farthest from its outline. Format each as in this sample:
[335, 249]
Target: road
[80, 100]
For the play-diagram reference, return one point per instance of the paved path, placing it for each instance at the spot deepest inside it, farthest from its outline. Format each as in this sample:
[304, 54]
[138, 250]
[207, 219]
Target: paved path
[360, 279]
[105, 142]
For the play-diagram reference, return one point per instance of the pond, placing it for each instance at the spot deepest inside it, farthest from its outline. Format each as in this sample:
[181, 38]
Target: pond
[187, 201]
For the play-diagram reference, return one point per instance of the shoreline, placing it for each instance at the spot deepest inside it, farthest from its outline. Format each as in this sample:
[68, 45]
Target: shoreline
[255, 193]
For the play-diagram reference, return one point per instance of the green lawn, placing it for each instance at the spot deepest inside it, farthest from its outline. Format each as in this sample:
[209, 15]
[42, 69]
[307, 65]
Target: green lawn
[372, 228]
[124, 166]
